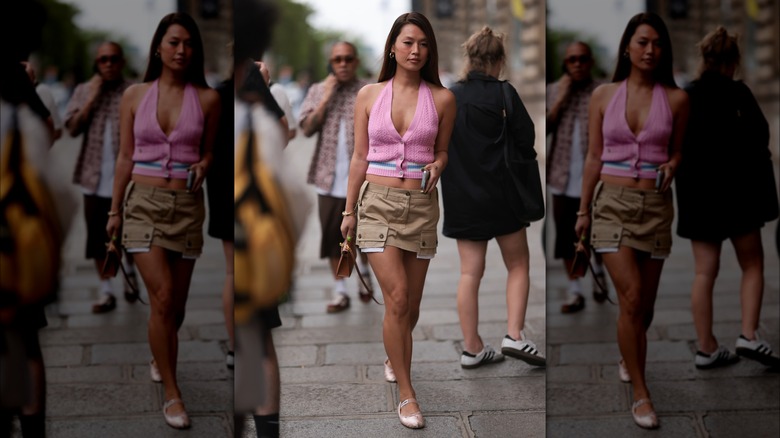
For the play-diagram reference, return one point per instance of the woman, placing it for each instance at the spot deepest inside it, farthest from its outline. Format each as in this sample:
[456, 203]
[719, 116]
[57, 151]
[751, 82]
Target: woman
[402, 129]
[636, 126]
[475, 194]
[727, 130]
[167, 127]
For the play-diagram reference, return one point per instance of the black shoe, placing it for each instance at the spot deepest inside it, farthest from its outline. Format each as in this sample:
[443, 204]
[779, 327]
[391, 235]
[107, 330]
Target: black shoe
[106, 305]
[574, 306]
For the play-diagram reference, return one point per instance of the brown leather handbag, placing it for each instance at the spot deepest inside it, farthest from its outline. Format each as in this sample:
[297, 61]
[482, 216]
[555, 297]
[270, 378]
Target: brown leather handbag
[347, 263]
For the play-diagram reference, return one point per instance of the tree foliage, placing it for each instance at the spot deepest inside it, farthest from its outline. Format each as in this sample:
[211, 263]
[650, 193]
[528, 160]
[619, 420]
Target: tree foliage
[297, 44]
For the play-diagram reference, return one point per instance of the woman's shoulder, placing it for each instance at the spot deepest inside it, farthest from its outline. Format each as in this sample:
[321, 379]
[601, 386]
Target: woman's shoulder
[440, 93]
[677, 97]
[603, 93]
[368, 93]
[207, 95]
[135, 92]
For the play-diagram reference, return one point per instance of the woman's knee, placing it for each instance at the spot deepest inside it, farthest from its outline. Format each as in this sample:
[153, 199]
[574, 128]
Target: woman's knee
[163, 303]
[631, 305]
[397, 304]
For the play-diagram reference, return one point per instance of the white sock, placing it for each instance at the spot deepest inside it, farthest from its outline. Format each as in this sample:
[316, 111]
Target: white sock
[105, 287]
[341, 286]
[574, 288]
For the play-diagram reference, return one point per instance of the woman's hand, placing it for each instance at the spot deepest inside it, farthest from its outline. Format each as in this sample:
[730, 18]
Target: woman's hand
[201, 169]
[348, 225]
[669, 169]
[435, 170]
[582, 226]
[114, 223]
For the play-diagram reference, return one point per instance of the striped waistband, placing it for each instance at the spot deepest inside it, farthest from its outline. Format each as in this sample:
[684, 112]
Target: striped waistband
[392, 165]
[157, 168]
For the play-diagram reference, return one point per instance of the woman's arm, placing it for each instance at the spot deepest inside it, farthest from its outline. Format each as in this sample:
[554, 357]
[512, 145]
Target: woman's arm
[124, 161]
[680, 105]
[445, 106]
[358, 165]
[522, 127]
[211, 108]
[592, 168]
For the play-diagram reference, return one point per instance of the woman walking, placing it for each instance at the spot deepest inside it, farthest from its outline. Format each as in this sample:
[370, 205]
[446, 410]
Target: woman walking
[477, 204]
[167, 128]
[636, 128]
[402, 130]
[727, 132]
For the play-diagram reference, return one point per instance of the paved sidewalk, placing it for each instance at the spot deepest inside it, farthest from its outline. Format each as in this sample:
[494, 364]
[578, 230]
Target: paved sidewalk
[331, 365]
[585, 397]
[97, 365]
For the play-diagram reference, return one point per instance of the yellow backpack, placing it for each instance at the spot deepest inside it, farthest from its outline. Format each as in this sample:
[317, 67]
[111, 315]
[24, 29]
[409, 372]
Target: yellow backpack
[30, 233]
[264, 240]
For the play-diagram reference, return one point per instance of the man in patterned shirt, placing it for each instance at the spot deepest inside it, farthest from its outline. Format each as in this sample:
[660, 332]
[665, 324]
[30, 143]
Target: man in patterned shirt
[328, 109]
[567, 122]
[94, 112]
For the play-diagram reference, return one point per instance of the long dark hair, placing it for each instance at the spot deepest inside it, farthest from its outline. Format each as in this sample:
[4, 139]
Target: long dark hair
[195, 70]
[430, 71]
[663, 71]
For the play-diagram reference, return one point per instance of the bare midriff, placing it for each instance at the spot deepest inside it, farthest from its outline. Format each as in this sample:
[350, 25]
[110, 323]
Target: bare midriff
[164, 183]
[396, 183]
[633, 183]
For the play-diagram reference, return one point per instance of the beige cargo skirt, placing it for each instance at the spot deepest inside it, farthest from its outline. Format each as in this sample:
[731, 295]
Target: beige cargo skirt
[171, 219]
[637, 218]
[405, 219]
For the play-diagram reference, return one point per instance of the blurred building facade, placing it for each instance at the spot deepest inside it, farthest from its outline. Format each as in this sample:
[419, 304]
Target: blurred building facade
[757, 22]
[522, 23]
[215, 21]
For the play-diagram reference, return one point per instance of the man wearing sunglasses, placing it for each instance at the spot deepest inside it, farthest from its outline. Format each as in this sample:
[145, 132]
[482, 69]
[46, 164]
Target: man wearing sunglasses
[93, 112]
[329, 109]
[567, 122]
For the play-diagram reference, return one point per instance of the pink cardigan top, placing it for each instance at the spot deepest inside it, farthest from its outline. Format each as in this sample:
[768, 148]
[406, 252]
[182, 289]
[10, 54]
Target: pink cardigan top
[164, 156]
[389, 153]
[636, 156]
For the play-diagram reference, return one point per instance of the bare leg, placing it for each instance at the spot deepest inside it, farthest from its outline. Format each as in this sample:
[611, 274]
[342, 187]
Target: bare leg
[472, 267]
[707, 260]
[750, 254]
[390, 270]
[227, 293]
[514, 250]
[167, 277]
[629, 274]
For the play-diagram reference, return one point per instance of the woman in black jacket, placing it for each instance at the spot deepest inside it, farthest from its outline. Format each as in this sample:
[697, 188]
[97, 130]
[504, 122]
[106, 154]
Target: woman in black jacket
[480, 202]
[725, 190]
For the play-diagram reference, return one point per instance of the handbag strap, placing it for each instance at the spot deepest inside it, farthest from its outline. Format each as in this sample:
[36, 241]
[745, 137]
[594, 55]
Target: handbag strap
[360, 274]
[133, 288]
[507, 110]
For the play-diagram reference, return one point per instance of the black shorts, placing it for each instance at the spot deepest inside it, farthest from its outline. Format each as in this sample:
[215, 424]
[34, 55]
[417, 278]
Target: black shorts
[96, 210]
[330, 220]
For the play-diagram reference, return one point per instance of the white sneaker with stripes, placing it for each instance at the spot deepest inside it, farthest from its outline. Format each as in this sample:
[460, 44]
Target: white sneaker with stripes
[522, 349]
[487, 355]
[720, 357]
[758, 350]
